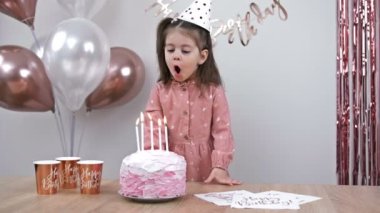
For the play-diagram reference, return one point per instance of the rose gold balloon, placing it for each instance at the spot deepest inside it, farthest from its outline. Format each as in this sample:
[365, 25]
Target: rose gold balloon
[22, 10]
[24, 85]
[124, 79]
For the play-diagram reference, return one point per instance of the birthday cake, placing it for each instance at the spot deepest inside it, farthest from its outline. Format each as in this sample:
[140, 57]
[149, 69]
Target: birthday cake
[153, 174]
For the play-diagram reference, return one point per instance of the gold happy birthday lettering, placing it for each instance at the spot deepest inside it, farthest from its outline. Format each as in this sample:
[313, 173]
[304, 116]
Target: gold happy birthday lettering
[282, 14]
[90, 179]
[164, 8]
[51, 181]
[241, 25]
[70, 173]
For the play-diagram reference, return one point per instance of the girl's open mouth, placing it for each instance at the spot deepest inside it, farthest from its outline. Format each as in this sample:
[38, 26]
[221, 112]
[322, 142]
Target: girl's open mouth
[177, 69]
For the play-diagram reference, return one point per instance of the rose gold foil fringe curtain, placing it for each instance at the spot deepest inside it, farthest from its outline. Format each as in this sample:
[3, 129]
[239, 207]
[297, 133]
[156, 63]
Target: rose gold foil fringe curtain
[358, 46]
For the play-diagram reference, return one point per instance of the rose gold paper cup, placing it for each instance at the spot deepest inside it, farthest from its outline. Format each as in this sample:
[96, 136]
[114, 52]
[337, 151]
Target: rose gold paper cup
[90, 174]
[69, 172]
[47, 176]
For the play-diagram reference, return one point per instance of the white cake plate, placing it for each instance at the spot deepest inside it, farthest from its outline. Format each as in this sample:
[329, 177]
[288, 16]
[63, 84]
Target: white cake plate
[149, 200]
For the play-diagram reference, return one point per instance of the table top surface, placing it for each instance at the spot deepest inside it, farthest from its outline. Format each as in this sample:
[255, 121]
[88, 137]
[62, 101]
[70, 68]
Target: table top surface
[18, 194]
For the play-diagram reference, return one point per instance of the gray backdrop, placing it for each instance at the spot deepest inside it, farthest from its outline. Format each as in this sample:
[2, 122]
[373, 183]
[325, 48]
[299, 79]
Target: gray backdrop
[281, 90]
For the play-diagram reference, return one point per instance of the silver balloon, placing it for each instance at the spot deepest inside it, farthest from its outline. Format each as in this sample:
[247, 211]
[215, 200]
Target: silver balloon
[82, 8]
[76, 55]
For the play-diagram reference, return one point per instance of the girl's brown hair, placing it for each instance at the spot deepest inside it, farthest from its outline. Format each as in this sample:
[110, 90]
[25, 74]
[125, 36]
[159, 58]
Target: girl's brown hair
[207, 72]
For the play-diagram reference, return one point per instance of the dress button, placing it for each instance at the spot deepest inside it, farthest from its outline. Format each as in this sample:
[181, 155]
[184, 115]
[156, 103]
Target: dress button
[186, 137]
[184, 89]
[184, 112]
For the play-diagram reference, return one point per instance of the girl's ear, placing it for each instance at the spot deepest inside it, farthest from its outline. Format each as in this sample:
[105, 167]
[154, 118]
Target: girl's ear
[203, 58]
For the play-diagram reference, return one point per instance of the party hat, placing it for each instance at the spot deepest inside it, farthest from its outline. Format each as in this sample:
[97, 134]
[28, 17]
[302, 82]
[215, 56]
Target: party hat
[198, 13]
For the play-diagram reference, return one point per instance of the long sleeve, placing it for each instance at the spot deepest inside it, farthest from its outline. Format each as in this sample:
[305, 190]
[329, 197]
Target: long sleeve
[221, 131]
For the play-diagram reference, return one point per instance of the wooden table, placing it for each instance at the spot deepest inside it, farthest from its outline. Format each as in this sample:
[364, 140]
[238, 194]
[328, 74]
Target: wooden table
[18, 194]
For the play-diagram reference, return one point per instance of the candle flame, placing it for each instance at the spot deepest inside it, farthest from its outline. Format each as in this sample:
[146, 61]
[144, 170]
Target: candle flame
[165, 122]
[150, 117]
[159, 122]
[137, 121]
[142, 117]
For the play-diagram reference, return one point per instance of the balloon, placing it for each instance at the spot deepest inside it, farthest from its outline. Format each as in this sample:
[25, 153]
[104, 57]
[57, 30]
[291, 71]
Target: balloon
[76, 56]
[82, 8]
[24, 85]
[22, 10]
[124, 79]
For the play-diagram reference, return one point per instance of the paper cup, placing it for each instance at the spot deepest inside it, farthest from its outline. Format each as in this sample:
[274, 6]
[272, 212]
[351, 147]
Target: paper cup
[90, 174]
[69, 172]
[47, 176]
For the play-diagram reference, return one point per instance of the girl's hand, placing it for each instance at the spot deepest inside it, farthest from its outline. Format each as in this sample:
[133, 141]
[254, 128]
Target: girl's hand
[221, 176]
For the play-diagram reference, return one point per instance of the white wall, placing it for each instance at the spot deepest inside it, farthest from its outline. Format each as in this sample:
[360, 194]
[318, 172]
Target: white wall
[281, 89]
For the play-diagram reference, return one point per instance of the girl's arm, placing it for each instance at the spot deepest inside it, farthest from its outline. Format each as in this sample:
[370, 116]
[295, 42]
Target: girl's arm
[223, 140]
[221, 131]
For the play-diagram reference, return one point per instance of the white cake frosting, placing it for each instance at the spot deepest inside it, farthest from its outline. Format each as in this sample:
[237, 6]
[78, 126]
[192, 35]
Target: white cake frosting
[153, 174]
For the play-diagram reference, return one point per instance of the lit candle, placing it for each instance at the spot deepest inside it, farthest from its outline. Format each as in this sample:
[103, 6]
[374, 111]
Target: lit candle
[137, 134]
[166, 134]
[142, 130]
[159, 133]
[151, 132]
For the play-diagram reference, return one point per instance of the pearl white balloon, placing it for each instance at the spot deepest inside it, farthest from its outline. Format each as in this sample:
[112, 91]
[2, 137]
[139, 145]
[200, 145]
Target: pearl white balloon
[82, 8]
[76, 55]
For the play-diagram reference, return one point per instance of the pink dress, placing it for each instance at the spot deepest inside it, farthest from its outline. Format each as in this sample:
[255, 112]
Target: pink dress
[198, 125]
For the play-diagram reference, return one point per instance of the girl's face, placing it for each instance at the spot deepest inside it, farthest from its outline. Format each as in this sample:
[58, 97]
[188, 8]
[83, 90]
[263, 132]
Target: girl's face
[182, 55]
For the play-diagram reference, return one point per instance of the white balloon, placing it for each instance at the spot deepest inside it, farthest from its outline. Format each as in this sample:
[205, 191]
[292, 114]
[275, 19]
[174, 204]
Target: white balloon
[76, 56]
[82, 8]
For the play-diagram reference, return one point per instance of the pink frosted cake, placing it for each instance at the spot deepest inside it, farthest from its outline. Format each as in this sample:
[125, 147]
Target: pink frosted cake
[153, 174]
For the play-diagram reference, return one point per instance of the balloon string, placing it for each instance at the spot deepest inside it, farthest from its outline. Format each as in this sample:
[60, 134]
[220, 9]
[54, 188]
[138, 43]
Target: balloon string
[61, 129]
[35, 38]
[72, 135]
[60, 133]
[83, 130]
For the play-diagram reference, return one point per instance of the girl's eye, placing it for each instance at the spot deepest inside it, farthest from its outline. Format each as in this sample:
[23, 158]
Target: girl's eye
[185, 51]
[170, 50]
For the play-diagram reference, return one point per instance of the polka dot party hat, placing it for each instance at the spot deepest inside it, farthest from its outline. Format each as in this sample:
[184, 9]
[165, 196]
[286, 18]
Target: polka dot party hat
[198, 13]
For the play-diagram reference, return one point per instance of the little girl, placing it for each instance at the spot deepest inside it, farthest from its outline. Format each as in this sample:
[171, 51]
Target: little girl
[189, 93]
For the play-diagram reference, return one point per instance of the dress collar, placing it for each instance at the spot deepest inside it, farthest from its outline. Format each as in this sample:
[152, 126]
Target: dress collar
[184, 83]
